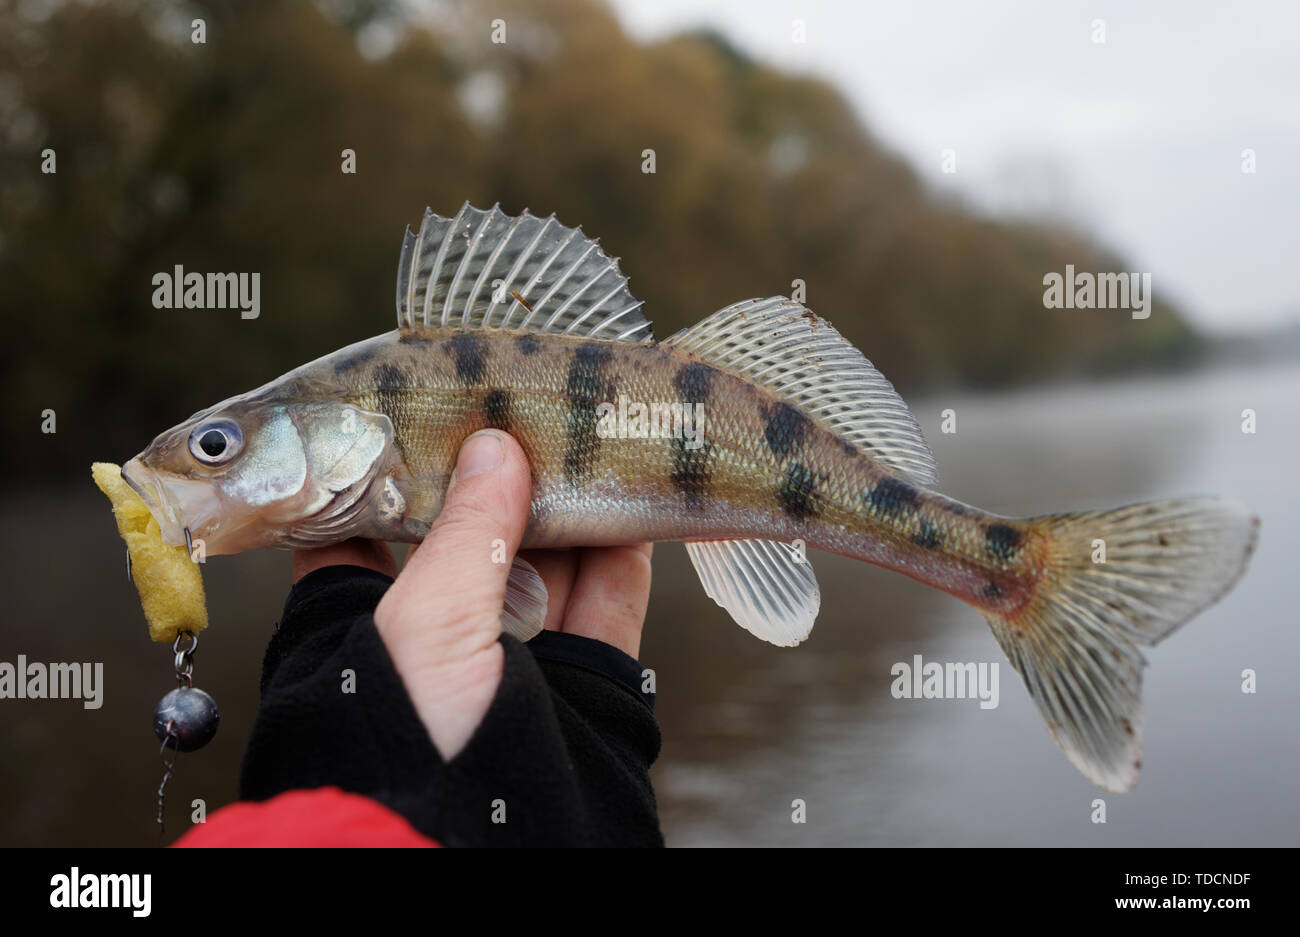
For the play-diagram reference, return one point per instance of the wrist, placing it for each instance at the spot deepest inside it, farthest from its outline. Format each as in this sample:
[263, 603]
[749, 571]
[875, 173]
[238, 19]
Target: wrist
[451, 694]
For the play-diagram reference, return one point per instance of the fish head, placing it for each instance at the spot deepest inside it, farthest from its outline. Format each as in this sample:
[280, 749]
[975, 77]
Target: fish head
[255, 471]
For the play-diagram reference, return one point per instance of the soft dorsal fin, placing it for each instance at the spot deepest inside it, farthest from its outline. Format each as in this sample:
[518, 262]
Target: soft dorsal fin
[799, 357]
[486, 269]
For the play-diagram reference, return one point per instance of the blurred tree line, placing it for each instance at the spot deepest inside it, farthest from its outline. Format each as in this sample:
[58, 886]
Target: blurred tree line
[226, 156]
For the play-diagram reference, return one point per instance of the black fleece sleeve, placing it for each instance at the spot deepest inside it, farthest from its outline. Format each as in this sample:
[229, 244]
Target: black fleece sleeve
[562, 757]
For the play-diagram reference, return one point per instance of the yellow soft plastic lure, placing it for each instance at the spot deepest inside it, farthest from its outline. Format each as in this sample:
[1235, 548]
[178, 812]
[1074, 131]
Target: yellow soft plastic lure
[169, 583]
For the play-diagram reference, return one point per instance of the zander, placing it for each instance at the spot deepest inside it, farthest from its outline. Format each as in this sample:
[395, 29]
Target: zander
[522, 324]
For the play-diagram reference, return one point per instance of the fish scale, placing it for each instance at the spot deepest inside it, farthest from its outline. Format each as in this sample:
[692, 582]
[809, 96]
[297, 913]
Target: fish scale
[801, 483]
[525, 325]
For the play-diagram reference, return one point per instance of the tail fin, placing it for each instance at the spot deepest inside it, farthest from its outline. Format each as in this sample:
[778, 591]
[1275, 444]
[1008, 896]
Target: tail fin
[1075, 642]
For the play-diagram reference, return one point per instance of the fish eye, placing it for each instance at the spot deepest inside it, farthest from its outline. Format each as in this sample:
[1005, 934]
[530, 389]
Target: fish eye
[216, 442]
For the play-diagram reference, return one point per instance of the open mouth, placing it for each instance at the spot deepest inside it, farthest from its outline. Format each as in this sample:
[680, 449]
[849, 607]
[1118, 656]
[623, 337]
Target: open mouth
[146, 483]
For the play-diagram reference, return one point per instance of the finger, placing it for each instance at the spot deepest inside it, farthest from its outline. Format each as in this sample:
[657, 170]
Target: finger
[610, 595]
[446, 604]
[441, 619]
[372, 554]
[557, 569]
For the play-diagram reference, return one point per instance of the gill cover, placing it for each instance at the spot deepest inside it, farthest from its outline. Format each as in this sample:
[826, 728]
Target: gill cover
[343, 450]
[303, 456]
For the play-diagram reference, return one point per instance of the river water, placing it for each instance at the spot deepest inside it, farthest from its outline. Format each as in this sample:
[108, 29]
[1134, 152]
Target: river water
[750, 729]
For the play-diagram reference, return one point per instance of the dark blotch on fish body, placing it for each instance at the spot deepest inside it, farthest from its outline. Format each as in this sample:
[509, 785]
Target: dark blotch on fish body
[390, 383]
[992, 590]
[496, 408]
[528, 344]
[389, 380]
[891, 497]
[690, 470]
[584, 388]
[469, 352]
[928, 536]
[693, 382]
[797, 493]
[353, 361]
[1001, 541]
[784, 429]
[690, 473]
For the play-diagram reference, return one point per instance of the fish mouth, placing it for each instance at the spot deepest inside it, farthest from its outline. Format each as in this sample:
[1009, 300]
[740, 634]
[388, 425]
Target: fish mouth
[165, 499]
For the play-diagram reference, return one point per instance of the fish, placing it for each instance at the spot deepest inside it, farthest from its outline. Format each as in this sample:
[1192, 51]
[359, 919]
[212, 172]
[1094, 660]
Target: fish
[768, 433]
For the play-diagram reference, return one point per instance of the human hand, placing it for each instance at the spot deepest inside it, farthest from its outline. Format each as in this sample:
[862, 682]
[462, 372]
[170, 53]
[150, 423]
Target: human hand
[441, 617]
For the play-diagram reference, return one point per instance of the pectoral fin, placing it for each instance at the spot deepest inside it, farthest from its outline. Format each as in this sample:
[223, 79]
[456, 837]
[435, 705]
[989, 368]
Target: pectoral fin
[524, 611]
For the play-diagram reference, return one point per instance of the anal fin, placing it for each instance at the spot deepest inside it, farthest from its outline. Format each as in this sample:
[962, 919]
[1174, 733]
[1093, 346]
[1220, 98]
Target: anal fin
[767, 586]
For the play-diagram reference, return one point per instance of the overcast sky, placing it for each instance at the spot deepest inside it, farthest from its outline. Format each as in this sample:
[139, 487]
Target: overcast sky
[1138, 141]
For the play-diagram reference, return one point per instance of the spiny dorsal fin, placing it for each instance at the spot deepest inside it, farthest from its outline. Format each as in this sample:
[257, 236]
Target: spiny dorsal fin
[768, 586]
[486, 269]
[783, 346]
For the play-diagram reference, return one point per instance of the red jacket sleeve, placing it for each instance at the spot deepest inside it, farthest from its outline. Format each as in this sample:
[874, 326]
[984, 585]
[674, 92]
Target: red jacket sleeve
[325, 817]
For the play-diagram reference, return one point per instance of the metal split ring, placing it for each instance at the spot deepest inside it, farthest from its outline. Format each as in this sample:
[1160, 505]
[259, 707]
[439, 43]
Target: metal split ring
[185, 658]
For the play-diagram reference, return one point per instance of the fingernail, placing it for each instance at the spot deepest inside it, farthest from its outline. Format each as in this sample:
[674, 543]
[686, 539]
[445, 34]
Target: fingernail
[481, 453]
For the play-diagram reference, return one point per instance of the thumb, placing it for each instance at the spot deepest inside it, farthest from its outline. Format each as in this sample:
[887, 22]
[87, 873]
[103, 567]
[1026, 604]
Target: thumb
[441, 618]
